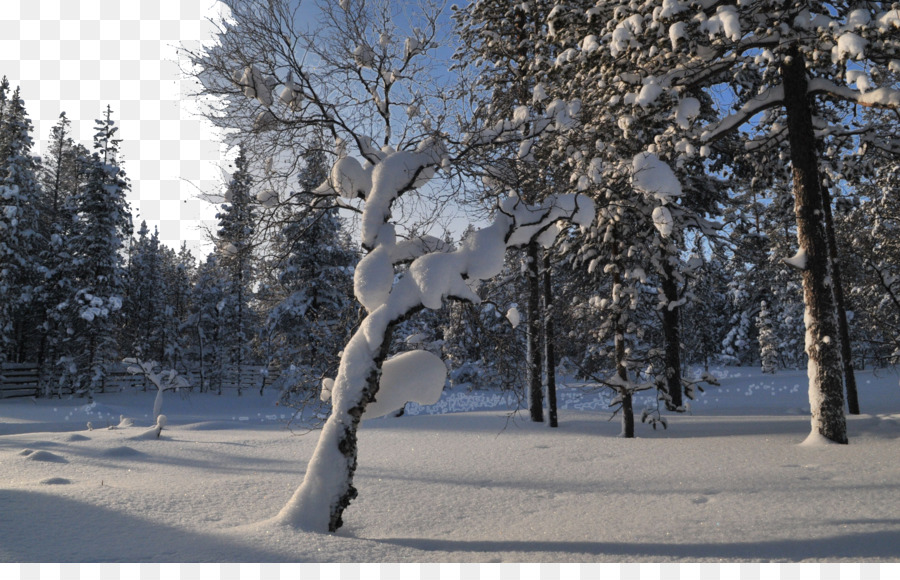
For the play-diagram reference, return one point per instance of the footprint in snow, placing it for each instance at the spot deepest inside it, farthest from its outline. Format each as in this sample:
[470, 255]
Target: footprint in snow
[55, 481]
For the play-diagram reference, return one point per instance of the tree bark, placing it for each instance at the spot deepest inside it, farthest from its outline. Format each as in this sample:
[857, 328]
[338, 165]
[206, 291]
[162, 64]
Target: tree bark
[533, 364]
[840, 305]
[826, 396]
[621, 366]
[670, 318]
[549, 350]
[622, 371]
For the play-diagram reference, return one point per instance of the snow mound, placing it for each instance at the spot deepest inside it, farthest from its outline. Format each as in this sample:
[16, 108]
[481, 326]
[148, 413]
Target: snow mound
[55, 481]
[123, 451]
[43, 456]
[816, 439]
[75, 437]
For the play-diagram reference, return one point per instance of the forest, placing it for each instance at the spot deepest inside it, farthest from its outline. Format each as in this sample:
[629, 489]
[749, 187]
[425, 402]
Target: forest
[653, 188]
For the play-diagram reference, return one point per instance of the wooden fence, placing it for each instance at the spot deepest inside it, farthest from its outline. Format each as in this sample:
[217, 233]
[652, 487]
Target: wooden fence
[23, 380]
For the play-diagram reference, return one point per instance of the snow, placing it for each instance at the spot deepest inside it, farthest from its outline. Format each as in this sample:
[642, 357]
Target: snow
[512, 315]
[662, 220]
[654, 177]
[688, 109]
[416, 376]
[726, 22]
[268, 198]
[649, 93]
[677, 31]
[350, 179]
[373, 278]
[730, 481]
[849, 45]
[798, 260]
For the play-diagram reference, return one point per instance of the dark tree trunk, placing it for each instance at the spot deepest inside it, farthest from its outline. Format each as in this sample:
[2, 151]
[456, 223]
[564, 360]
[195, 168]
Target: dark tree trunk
[622, 368]
[843, 327]
[622, 371]
[533, 364]
[549, 351]
[670, 318]
[348, 441]
[826, 388]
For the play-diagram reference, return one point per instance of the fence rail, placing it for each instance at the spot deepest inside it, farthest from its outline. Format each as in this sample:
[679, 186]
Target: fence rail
[24, 380]
[18, 380]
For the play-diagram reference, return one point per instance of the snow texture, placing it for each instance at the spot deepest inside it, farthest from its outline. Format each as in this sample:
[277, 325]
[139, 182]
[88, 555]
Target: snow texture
[654, 177]
[798, 260]
[741, 487]
[417, 376]
[513, 316]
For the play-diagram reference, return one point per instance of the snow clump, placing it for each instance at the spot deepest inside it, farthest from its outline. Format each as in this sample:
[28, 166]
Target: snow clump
[654, 177]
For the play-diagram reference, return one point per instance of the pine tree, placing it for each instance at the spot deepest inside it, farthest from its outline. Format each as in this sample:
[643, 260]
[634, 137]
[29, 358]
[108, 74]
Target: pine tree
[311, 297]
[505, 42]
[235, 241]
[206, 323]
[22, 245]
[93, 311]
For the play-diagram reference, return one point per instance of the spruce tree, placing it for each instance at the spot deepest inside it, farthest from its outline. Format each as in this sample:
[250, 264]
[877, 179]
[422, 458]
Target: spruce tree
[311, 296]
[237, 223]
[22, 245]
[93, 311]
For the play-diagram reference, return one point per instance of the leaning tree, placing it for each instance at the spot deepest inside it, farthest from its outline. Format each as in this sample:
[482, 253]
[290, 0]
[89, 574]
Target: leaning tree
[364, 79]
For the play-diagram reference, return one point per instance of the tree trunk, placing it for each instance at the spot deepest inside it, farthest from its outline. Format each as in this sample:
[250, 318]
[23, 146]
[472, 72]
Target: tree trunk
[622, 371]
[549, 351]
[826, 396]
[843, 327]
[327, 487]
[622, 368]
[533, 364]
[670, 318]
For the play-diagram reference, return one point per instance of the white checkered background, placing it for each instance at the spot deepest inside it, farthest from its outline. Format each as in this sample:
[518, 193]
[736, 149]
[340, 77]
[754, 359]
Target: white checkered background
[748, 571]
[79, 56]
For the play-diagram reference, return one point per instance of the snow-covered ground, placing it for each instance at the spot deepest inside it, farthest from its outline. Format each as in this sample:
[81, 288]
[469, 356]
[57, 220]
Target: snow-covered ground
[729, 481]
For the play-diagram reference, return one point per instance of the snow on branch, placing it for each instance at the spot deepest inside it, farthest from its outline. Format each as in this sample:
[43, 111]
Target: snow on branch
[164, 380]
[769, 98]
[362, 378]
[883, 98]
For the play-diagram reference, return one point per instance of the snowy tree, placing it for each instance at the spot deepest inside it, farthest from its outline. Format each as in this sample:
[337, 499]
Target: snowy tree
[22, 245]
[370, 67]
[92, 312]
[708, 310]
[502, 57]
[870, 232]
[156, 302]
[207, 323]
[774, 58]
[311, 294]
[629, 132]
[235, 241]
[484, 345]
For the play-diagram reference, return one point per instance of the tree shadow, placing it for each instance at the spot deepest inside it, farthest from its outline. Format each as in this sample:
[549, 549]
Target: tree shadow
[877, 546]
[40, 527]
